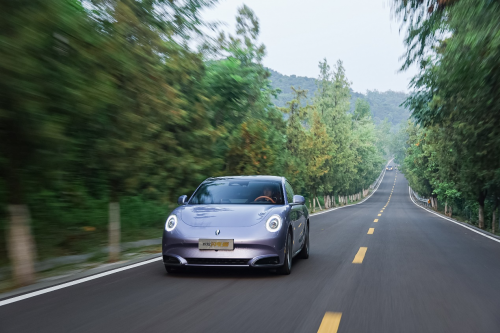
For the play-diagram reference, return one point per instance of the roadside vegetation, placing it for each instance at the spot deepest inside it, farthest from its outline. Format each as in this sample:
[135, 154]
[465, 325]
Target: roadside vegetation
[451, 147]
[110, 110]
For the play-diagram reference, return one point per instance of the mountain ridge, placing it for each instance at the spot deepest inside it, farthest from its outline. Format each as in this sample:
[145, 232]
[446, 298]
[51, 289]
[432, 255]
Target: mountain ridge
[383, 105]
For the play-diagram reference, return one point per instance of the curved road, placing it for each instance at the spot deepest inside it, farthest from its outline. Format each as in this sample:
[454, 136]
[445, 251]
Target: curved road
[420, 273]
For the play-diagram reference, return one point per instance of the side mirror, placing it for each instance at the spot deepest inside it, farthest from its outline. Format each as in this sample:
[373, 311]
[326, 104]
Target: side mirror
[298, 200]
[182, 200]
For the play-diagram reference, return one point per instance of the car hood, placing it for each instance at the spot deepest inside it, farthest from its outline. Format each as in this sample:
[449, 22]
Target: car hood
[224, 215]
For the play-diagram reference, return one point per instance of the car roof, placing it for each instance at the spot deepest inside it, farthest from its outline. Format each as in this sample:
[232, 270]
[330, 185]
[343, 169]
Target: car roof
[255, 177]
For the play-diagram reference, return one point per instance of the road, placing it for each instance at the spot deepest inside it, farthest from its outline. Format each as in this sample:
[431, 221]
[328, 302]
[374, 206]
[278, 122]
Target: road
[420, 273]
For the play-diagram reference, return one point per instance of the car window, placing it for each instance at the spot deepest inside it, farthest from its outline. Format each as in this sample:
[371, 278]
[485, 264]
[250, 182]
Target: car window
[232, 191]
[289, 192]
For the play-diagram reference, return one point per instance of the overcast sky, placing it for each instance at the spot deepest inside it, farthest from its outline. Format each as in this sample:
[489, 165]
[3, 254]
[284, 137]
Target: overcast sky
[298, 34]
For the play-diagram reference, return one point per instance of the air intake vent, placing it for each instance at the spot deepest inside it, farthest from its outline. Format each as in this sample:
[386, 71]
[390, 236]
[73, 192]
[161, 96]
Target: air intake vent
[171, 260]
[268, 261]
[216, 261]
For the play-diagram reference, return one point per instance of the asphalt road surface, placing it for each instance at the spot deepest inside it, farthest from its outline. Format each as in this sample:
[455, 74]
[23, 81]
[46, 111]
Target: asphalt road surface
[415, 273]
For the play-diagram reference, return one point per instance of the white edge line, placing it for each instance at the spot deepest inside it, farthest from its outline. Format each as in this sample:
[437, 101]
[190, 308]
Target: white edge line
[72, 283]
[368, 197]
[451, 220]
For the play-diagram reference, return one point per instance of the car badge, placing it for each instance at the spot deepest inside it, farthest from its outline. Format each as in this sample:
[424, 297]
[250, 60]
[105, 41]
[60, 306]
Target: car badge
[217, 232]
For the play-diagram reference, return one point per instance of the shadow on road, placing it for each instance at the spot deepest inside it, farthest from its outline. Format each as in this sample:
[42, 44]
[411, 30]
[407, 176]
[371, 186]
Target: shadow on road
[230, 272]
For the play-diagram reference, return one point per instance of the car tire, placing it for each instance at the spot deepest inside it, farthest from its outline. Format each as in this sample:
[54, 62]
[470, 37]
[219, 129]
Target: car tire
[304, 253]
[286, 269]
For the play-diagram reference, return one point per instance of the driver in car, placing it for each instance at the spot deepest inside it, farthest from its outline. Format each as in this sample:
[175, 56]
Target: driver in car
[267, 195]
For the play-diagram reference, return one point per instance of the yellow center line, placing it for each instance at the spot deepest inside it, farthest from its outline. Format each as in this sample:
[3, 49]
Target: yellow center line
[376, 220]
[382, 211]
[370, 231]
[379, 215]
[330, 322]
[358, 259]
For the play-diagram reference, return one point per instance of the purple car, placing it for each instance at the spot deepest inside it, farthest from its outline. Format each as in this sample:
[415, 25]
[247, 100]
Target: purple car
[244, 221]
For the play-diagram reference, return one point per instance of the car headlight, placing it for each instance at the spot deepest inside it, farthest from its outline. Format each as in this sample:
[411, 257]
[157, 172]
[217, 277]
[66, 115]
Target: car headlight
[273, 223]
[171, 223]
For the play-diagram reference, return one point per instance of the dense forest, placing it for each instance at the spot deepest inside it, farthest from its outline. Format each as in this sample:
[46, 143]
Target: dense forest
[450, 150]
[108, 114]
[383, 105]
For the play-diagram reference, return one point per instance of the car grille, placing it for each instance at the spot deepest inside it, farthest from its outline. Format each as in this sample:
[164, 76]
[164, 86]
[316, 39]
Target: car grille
[216, 261]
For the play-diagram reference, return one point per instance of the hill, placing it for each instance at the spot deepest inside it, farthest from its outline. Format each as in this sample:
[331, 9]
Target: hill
[382, 104]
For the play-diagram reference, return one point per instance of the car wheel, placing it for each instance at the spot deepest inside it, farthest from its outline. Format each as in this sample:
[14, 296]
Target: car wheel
[304, 253]
[286, 269]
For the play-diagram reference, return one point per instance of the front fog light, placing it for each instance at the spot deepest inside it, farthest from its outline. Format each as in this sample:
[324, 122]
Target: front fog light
[273, 223]
[171, 223]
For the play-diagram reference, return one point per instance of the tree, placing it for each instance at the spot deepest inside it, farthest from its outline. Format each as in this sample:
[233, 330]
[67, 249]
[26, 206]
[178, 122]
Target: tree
[317, 153]
[457, 87]
[146, 41]
[41, 41]
[295, 139]
[362, 109]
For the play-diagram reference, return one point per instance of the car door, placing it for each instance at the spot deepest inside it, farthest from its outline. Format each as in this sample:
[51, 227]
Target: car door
[296, 213]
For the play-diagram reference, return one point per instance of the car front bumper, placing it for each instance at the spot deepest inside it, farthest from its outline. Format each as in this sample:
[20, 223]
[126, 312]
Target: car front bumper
[256, 249]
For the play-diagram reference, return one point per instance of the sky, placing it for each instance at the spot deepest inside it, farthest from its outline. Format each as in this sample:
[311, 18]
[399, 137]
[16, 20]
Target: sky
[298, 34]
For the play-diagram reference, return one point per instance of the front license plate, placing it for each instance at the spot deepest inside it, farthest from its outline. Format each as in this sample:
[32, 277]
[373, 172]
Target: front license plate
[216, 244]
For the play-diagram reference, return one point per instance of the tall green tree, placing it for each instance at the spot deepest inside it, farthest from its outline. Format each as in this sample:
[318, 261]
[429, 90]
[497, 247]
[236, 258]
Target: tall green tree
[457, 87]
[317, 153]
[40, 51]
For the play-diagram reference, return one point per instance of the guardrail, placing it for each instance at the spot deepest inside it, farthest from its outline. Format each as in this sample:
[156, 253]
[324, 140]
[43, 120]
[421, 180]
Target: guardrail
[418, 199]
[380, 177]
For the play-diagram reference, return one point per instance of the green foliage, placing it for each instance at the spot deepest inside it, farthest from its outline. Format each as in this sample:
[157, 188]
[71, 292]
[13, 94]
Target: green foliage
[455, 100]
[332, 151]
[108, 102]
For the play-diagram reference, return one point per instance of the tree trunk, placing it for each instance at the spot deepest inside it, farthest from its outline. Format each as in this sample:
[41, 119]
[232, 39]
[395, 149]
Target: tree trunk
[481, 217]
[434, 203]
[325, 200]
[114, 231]
[450, 211]
[21, 246]
[481, 199]
[314, 205]
[493, 220]
[446, 208]
[20, 242]
[318, 203]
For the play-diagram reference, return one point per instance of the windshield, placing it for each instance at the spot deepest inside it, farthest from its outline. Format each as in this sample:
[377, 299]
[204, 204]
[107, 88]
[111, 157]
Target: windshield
[225, 191]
